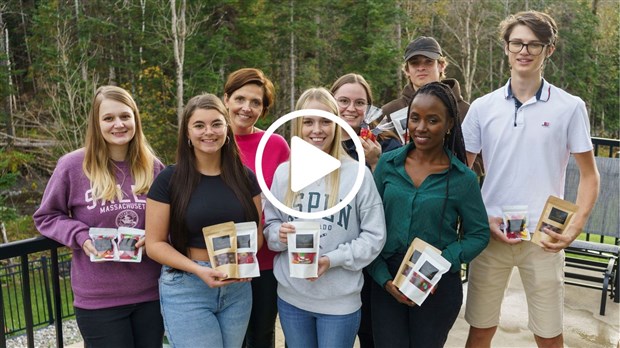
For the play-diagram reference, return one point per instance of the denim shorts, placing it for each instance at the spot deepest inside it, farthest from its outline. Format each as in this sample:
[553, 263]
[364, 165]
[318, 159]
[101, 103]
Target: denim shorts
[196, 315]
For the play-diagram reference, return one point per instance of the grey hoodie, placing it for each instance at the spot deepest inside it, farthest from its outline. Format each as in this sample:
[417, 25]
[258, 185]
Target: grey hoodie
[351, 239]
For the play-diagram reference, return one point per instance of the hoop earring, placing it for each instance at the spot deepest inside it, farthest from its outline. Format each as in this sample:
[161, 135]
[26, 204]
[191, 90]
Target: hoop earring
[227, 139]
[189, 143]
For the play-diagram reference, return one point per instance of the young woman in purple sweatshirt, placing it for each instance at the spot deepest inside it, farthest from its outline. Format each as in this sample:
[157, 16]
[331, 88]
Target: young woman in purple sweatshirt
[104, 184]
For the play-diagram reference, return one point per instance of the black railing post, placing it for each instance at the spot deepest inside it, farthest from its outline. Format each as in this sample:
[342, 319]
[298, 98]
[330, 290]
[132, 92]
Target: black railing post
[27, 300]
[2, 321]
[46, 288]
[57, 298]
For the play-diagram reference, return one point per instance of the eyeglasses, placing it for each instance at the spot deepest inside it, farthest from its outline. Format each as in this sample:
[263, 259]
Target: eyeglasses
[359, 104]
[533, 48]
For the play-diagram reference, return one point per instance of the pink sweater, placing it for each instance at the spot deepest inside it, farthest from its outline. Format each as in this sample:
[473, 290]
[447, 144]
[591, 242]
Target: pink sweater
[276, 152]
[67, 212]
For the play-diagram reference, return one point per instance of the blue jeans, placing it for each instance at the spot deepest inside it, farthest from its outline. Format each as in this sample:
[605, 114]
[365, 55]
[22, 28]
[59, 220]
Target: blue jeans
[196, 315]
[307, 329]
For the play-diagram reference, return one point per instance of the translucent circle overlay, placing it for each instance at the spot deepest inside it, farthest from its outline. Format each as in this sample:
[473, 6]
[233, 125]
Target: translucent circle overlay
[261, 178]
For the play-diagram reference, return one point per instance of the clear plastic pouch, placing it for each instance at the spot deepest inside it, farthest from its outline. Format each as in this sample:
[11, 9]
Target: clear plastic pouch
[127, 240]
[104, 240]
[515, 220]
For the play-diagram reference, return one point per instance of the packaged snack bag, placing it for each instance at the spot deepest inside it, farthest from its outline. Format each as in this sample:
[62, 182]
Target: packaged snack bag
[400, 119]
[556, 215]
[127, 239]
[303, 249]
[221, 240]
[411, 257]
[104, 240]
[247, 246]
[515, 222]
[424, 276]
[372, 114]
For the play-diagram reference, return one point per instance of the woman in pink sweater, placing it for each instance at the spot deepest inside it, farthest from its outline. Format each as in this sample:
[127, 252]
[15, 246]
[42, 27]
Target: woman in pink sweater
[248, 95]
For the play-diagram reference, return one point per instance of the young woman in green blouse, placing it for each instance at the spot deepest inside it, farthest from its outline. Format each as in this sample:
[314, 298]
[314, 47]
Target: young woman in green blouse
[427, 191]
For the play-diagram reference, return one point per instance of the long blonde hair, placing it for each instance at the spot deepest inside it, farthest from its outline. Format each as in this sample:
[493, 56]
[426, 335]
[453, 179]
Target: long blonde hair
[336, 150]
[98, 165]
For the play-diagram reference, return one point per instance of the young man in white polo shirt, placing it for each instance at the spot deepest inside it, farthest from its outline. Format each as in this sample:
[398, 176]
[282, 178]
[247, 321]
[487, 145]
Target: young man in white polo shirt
[526, 132]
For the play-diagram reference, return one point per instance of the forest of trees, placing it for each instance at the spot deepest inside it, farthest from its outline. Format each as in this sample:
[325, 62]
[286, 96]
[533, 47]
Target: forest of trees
[55, 53]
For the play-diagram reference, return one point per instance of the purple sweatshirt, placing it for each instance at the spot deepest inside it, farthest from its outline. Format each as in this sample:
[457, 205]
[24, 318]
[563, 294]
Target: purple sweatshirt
[67, 212]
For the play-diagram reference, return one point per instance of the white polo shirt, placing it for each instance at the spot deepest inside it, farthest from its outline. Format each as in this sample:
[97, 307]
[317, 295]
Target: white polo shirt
[526, 149]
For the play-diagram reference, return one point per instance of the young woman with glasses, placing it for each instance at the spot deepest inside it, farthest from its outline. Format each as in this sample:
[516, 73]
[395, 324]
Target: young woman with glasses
[354, 97]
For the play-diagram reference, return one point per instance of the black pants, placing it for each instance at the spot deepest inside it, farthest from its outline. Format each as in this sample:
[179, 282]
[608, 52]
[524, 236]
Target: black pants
[134, 325]
[261, 329]
[397, 325]
[365, 331]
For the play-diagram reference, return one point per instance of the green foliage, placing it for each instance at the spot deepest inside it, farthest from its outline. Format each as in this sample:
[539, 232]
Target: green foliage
[10, 165]
[155, 102]
[21, 227]
[6, 213]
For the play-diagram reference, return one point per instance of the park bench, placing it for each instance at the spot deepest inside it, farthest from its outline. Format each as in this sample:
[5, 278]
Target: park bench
[593, 262]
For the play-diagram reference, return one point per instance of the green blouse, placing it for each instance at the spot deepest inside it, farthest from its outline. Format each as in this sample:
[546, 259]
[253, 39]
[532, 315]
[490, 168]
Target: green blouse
[415, 212]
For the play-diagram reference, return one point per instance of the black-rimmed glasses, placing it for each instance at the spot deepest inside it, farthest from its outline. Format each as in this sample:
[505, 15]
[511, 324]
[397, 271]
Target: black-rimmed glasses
[533, 48]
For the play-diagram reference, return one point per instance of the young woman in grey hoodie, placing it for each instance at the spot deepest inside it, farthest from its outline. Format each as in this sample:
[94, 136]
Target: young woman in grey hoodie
[325, 311]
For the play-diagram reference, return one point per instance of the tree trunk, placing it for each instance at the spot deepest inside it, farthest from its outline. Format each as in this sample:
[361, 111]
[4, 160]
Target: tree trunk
[491, 78]
[179, 31]
[142, 29]
[26, 43]
[399, 44]
[292, 57]
[5, 239]
[5, 61]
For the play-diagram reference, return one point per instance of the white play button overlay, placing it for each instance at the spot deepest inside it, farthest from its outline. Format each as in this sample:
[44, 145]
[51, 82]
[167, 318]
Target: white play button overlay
[309, 164]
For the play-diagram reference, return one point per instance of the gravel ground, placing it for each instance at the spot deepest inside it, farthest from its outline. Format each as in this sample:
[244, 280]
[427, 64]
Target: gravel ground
[46, 337]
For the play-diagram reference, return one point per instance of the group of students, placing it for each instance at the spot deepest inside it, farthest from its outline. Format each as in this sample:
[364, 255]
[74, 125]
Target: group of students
[421, 189]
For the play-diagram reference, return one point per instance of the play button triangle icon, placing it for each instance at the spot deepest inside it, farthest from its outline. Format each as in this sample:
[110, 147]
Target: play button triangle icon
[309, 164]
